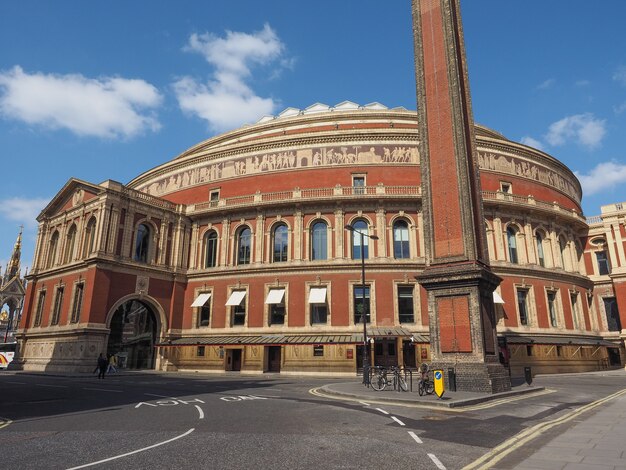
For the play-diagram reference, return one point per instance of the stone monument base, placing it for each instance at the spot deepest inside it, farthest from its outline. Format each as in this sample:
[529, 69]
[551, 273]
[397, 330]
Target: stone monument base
[475, 377]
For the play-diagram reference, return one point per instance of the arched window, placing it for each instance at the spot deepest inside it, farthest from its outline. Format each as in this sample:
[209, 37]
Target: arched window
[244, 240]
[360, 227]
[142, 243]
[563, 251]
[69, 244]
[280, 243]
[540, 256]
[401, 240]
[52, 249]
[90, 237]
[210, 249]
[511, 234]
[319, 241]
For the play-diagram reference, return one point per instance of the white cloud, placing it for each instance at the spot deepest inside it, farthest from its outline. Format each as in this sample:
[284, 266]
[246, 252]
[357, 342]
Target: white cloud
[620, 108]
[582, 83]
[620, 75]
[605, 176]
[546, 84]
[226, 100]
[527, 140]
[22, 211]
[108, 107]
[584, 129]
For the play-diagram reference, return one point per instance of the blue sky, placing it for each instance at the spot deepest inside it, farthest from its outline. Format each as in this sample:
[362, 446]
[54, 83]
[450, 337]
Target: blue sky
[107, 90]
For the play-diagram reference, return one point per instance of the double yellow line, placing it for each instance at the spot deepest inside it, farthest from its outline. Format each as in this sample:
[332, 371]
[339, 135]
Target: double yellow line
[498, 453]
[4, 422]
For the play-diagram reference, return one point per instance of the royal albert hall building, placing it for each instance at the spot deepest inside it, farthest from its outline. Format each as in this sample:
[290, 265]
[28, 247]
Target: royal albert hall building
[235, 256]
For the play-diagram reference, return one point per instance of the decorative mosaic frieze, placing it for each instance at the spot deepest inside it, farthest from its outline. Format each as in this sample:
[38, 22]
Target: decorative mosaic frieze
[285, 160]
[492, 161]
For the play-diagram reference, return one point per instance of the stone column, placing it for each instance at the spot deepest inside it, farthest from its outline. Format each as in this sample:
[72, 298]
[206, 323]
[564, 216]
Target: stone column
[298, 235]
[457, 278]
[339, 235]
[195, 246]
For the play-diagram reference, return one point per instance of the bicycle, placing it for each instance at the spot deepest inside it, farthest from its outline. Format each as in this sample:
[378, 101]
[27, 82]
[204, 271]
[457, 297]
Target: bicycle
[425, 385]
[382, 377]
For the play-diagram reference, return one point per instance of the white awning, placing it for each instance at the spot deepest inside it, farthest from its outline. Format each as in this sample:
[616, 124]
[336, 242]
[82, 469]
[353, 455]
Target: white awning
[317, 295]
[496, 298]
[236, 297]
[275, 296]
[201, 300]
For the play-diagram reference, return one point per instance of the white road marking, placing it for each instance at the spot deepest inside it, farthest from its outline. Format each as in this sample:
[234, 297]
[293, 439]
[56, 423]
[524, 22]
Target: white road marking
[55, 386]
[397, 421]
[200, 412]
[382, 411]
[17, 383]
[364, 403]
[161, 396]
[437, 462]
[103, 390]
[414, 436]
[134, 451]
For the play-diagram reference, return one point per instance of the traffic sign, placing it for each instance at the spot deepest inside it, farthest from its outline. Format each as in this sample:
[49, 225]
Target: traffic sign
[439, 386]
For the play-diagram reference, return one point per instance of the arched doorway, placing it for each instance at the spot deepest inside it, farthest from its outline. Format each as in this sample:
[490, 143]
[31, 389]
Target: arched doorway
[133, 335]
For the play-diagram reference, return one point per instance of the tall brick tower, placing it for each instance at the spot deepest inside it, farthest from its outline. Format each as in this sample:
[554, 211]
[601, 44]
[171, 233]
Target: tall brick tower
[457, 277]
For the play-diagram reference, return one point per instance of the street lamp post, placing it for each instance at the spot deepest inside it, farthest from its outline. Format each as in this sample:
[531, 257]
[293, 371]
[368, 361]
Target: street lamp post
[366, 364]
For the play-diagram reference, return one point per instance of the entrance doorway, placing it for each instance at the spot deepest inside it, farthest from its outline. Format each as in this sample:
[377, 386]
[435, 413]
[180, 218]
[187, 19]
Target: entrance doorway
[408, 353]
[273, 358]
[385, 352]
[133, 335]
[359, 357]
[233, 360]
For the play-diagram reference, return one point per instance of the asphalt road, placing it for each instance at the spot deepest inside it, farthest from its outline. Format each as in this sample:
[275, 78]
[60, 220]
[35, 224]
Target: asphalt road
[165, 421]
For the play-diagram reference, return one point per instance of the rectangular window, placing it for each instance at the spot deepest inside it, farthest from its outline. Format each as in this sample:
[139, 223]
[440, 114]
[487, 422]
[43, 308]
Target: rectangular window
[507, 189]
[40, 304]
[203, 304]
[529, 350]
[77, 304]
[200, 351]
[612, 314]
[214, 197]
[317, 305]
[604, 268]
[559, 351]
[238, 305]
[358, 183]
[58, 302]
[360, 295]
[575, 310]
[405, 304]
[276, 301]
[391, 349]
[522, 306]
[552, 308]
[318, 350]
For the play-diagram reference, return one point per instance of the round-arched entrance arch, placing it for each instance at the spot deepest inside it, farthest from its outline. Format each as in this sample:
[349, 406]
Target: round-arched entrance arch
[133, 335]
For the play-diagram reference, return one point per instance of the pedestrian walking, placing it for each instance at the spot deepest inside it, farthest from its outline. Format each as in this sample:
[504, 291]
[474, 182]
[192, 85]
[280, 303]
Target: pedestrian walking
[112, 364]
[102, 365]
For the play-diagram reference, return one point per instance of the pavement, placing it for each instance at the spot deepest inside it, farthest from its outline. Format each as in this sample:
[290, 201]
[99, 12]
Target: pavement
[449, 399]
[593, 436]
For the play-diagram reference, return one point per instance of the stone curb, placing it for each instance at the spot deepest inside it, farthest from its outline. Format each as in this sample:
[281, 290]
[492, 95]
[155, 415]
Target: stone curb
[454, 403]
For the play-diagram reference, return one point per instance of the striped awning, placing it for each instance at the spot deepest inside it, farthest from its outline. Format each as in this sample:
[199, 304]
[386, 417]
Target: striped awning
[561, 340]
[269, 340]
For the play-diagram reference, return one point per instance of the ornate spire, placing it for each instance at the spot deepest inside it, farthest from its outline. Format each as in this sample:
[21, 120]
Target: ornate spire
[13, 268]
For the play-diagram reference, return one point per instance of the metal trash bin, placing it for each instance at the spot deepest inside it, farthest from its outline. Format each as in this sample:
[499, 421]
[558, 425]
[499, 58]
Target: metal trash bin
[451, 380]
[528, 376]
